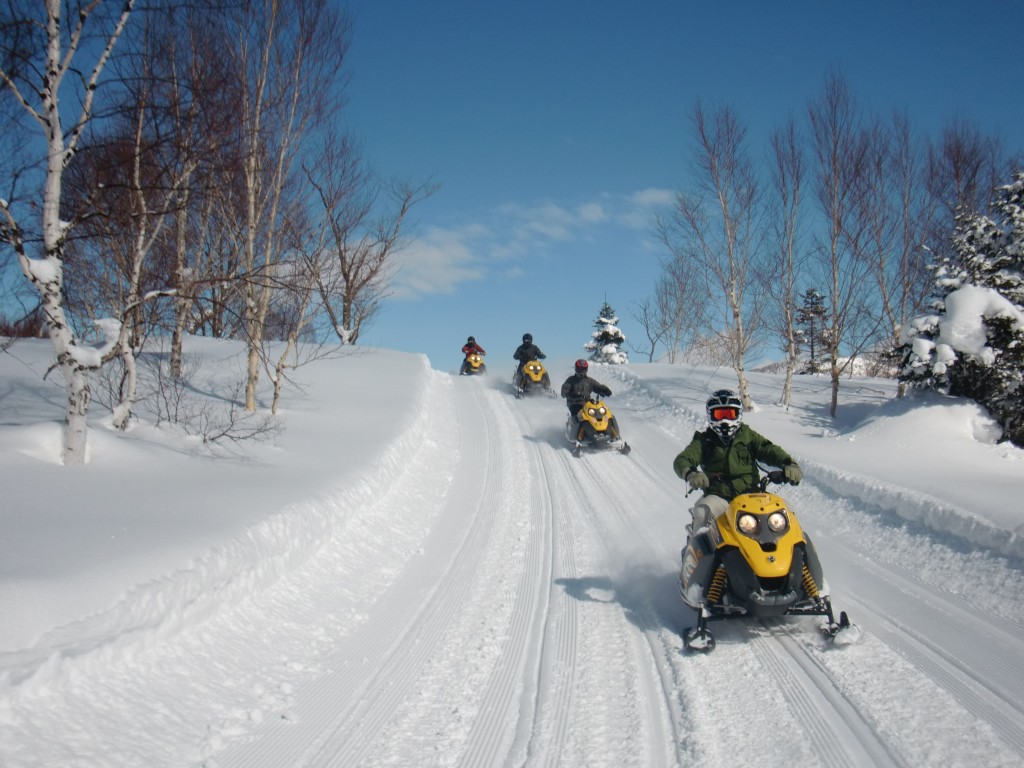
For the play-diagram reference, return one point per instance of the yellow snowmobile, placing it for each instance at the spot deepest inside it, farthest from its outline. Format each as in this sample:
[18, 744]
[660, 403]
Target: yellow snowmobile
[754, 560]
[596, 427]
[473, 365]
[534, 378]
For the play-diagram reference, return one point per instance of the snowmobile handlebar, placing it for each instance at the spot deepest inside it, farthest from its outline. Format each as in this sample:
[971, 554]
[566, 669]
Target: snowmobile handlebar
[774, 477]
[769, 477]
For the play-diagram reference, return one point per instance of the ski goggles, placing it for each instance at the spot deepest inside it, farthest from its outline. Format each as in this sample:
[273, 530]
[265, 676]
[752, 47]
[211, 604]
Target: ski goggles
[725, 413]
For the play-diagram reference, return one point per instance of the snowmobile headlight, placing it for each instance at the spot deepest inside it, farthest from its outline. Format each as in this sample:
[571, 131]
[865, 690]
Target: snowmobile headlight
[747, 524]
[602, 411]
[778, 522]
[592, 411]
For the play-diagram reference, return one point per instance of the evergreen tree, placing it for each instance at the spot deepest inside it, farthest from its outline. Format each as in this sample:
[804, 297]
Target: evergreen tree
[810, 320]
[973, 344]
[607, 340]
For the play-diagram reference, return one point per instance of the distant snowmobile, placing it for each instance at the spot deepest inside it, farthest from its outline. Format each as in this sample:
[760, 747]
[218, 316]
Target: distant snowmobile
[474, 365]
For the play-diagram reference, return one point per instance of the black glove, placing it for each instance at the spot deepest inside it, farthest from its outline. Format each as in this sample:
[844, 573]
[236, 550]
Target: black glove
[793, 473]
[697, 479]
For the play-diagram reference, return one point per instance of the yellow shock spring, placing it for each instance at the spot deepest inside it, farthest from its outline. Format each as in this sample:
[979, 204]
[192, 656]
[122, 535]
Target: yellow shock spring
[717, 585]
[808, 582]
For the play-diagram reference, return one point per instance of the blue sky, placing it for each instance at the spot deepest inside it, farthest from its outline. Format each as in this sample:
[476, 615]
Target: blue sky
[558, 129]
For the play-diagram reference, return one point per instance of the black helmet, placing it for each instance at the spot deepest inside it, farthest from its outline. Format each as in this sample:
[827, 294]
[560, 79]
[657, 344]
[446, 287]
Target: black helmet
[471, 340]
[725, 413]
[581, 366]
[527, 338]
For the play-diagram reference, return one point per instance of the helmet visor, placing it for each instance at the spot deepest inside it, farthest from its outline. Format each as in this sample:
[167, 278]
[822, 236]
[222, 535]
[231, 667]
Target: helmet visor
[725, 413]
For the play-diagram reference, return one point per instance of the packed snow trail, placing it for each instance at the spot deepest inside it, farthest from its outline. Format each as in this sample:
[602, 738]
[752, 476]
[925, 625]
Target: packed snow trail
[503, 651]
[619, 703]
[388, 683]
[482, 598]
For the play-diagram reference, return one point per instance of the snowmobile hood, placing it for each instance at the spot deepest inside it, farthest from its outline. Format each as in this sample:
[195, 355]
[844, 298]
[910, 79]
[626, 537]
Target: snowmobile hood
[597, 414]
[764, 529]
[535, 370]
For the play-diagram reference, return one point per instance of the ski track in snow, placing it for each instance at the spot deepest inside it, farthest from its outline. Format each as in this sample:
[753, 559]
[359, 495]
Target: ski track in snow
[520, 608]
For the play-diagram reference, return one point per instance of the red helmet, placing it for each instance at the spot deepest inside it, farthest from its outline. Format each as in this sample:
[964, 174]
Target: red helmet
[581, 366]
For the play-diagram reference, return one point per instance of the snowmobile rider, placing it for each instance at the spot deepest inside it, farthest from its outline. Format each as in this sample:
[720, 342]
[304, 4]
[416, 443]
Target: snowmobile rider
[469, 348]
[524, 353]
[722, 460]
[577, 389]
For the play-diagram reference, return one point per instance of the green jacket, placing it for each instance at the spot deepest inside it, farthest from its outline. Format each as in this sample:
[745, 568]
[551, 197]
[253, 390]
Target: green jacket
[732, 469]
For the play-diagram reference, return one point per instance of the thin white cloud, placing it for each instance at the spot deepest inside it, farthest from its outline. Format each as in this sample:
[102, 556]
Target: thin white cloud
[592, 213]
[639, 209]
[442, 259]
[653, 198]
[546, 221]
[438, 262]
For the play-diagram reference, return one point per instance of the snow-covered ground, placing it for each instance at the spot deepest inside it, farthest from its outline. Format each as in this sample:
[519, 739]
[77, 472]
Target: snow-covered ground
[416, 572]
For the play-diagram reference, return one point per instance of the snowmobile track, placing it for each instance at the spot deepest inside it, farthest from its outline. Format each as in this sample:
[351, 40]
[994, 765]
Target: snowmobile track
[987, 698]
[518, 669]
[956, 644]
[810, 691]
[593, 512]
[605, 485]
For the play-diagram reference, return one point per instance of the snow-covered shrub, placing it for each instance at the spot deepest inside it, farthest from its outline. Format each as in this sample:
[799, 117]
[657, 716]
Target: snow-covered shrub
[972, 345]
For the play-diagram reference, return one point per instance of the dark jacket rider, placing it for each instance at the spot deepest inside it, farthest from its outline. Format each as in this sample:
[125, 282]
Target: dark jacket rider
[577, 390]
[524, 353]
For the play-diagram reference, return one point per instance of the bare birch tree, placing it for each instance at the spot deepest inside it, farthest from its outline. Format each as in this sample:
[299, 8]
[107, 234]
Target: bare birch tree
[788, 181]
[897, 213]
[78, 39]
[841, 153]
[964, 168]
[714, 233]
[359, 241]
[138, 174]
[147, 216]
[679, 309]
[296, 305]
[289, 56]
[645, 312]
[199, 99]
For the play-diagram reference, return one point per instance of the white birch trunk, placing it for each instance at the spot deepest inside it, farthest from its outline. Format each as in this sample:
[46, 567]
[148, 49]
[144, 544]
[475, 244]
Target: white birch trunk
[47, 274]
